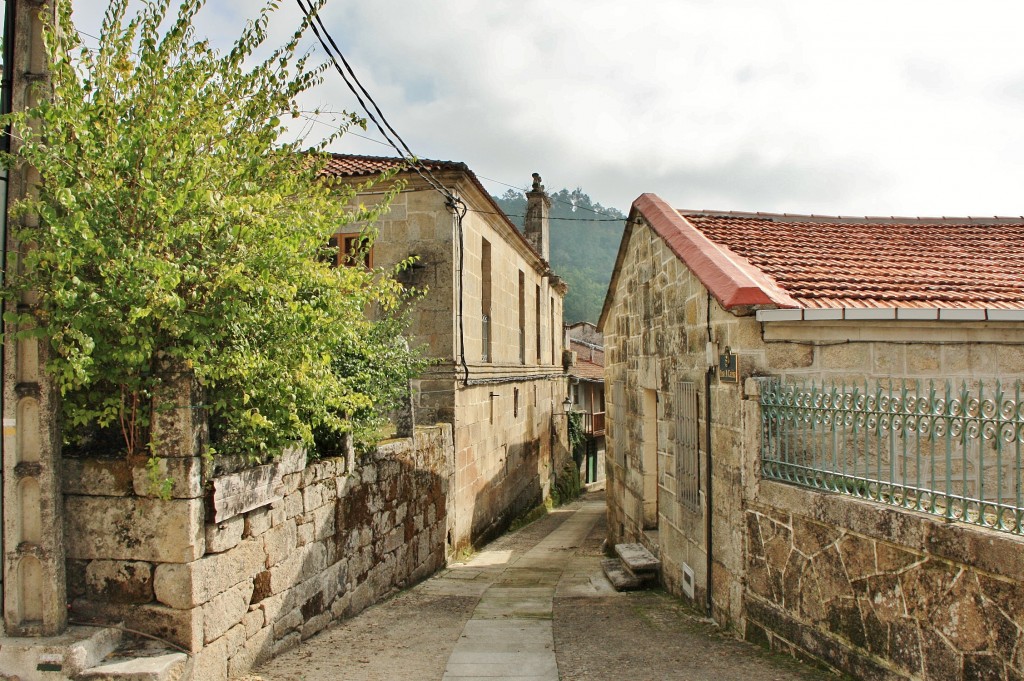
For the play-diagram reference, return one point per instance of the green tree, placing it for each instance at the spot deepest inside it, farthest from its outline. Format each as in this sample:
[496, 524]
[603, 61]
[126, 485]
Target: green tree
[176, 229]
[584, 242]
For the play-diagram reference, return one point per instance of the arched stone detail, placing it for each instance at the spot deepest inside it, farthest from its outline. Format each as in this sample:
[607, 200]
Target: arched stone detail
[29, 430]
[29, 521]
[30, 590]
[28, 360]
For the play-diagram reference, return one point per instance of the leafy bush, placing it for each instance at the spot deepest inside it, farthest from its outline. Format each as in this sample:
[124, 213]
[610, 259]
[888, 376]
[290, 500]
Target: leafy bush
[177, 229]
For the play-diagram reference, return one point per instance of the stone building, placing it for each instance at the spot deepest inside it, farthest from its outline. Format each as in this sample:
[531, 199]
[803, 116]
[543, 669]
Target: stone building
[586, 388]
[816, 424]
[237, 562]
[491, 318]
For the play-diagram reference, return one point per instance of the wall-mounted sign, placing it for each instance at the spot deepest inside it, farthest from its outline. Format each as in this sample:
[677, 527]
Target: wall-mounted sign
[728, 367]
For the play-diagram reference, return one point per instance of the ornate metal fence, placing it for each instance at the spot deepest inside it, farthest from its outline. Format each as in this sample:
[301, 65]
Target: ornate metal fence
[953, 452]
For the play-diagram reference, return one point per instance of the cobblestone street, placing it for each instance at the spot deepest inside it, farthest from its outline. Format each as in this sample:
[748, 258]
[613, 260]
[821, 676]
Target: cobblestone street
[533, 605]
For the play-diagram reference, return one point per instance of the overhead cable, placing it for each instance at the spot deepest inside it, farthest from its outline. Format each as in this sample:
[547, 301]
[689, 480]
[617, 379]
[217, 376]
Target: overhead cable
[356, 87]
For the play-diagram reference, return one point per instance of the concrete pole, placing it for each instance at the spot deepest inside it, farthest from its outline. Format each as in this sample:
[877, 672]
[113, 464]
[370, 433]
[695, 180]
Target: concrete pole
[34, 586]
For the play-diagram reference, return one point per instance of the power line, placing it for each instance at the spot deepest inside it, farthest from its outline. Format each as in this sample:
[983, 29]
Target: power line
[482, 177]
[454, 204]
[352, 81]
[491, 212]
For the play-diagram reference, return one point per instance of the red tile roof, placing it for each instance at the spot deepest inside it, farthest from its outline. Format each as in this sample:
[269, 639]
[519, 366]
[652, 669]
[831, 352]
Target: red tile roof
[350, 165]
[588, 371]
[879, 262]
[353, 166]
[732, 280]
[809, 261]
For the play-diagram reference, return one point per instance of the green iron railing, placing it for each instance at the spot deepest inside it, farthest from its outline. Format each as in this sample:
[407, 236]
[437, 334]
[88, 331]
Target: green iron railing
[929, 447]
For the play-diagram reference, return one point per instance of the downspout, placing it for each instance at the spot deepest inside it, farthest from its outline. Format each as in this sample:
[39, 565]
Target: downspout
[709, 497]
[458, 210]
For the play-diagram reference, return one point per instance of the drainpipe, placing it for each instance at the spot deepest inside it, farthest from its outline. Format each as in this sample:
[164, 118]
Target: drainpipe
[709, 498]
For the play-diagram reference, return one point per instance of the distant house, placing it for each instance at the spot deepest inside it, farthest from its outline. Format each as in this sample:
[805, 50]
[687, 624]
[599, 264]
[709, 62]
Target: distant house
[586, 379]
[492, 318]
[817, 424]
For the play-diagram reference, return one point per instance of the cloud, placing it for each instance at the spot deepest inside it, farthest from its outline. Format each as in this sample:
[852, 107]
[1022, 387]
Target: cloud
[855, 108]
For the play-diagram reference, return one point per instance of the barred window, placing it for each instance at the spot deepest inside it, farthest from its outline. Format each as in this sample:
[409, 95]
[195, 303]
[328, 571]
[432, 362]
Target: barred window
[687, 445]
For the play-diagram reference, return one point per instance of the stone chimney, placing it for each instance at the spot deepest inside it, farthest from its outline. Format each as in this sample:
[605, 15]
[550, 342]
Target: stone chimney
[538, 231]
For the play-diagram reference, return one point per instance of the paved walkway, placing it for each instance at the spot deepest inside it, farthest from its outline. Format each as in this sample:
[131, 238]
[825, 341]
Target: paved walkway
[510, 633]
[532, 606]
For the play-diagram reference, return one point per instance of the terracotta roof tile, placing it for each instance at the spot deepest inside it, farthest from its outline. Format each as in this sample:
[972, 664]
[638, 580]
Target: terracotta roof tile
[588, 371]
[824, 262]
[350, 165]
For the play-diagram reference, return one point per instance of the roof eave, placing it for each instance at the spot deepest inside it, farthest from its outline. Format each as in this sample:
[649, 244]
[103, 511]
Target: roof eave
[735, 285]
[627, 233]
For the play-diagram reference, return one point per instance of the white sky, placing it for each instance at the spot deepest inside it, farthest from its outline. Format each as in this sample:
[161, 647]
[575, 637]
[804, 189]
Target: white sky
[907, 107]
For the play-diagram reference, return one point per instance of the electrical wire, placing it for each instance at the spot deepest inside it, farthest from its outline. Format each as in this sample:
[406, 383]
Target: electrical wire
[512, 215]
[455, 205]
[562, 201]
[609, 218]
[352, 81]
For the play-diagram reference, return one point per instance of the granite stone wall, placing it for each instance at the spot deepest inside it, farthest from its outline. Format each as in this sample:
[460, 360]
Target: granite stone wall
[880, 593]
[331, 541]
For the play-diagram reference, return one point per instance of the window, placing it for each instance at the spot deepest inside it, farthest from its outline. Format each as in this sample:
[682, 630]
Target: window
[687, 446]
[485, 301]
[536, 318]
[351, 250]
[522, 317]
[618, 422]
[554, 335]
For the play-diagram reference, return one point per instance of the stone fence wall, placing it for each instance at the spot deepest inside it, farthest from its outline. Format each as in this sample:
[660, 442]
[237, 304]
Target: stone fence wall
[323, 542]
[882, 593]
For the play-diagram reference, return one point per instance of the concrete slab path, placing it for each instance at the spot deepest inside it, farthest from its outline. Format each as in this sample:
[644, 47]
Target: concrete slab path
[531, 606]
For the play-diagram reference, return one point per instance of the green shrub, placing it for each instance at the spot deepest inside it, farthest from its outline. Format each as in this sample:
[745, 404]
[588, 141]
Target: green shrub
[176, 228]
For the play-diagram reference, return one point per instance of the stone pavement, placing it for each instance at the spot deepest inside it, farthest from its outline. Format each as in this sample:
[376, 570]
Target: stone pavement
[531, 606]
[510, 633]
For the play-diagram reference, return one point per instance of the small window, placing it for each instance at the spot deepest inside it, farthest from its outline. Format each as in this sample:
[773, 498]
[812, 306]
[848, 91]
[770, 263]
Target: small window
[485, 300]
[355, 251]
[536, 318]
[522, 317]
[687, 447]
[555, 358]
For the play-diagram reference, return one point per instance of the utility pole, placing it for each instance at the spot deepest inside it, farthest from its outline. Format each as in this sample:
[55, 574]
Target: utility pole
[34, 586]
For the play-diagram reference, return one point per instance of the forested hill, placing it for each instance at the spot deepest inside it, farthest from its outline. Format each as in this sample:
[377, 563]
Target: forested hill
[584, 241]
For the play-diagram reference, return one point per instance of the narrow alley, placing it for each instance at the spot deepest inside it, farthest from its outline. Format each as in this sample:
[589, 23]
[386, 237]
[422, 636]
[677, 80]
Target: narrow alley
[532, 605]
